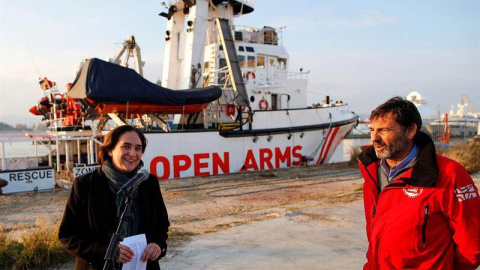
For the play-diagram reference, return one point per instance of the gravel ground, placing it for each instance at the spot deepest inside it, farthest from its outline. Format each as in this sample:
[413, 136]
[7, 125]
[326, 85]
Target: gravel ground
[296, 218]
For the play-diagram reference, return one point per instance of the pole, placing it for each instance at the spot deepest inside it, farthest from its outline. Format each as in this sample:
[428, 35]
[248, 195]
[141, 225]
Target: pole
[4, 159]
[78, 152]
[92, 150]
[67, 156]
[57, 150]
[89, 158]
[49, 153]
[35, 150]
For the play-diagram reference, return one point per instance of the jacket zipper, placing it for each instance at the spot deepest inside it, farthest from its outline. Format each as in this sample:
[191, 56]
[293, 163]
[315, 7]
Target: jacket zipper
[371, 177]
[424, 229]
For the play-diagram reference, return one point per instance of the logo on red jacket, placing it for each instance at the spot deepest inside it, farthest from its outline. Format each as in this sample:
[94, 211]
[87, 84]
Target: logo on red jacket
[412, 192]
[465, 193]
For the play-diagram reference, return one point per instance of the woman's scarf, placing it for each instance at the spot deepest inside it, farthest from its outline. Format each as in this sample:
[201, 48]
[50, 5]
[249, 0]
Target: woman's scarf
[116, 180]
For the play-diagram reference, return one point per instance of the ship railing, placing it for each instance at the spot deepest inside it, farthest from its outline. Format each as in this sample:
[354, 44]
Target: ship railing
[234, 125]
[219, 77]
[298, 75]
[247, 2]
[268, 82]
[281, 74]
[266, 35]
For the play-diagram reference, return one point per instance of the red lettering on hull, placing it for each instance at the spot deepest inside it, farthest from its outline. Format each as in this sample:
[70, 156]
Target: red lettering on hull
[166, 167]
[198, 164]
[250, 162]
[180, 163]
[285, 157]
[297, 155]
[266, 155]
[218, 163]
[205, 164]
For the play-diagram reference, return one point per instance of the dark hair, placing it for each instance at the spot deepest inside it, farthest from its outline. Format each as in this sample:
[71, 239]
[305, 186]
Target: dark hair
[111, 140]
[404, 111]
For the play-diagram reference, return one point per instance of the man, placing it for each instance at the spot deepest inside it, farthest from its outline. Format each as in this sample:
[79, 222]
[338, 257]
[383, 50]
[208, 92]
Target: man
[422, 209]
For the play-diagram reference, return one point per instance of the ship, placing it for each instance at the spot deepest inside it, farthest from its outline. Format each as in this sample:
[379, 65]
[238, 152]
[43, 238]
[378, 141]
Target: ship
[227, 102]
[459, 125]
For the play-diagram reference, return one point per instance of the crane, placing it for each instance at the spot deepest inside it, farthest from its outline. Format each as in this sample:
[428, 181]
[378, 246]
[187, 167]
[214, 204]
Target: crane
[132, 49]
[468, 103]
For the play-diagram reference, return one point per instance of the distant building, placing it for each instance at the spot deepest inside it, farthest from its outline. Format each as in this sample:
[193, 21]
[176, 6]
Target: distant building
[20, 126]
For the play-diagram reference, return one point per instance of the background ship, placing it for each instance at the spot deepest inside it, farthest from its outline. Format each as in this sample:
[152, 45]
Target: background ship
[459, 125]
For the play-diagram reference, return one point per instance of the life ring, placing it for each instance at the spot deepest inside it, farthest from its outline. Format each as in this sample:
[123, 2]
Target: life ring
[250, 73]
[58, 98]
[230, 110]
[263, 104]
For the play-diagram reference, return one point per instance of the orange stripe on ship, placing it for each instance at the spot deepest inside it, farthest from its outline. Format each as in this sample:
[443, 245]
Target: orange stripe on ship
[145, 108]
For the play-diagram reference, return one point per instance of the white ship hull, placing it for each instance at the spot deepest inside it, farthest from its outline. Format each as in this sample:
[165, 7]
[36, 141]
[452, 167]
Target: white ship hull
[274, 144]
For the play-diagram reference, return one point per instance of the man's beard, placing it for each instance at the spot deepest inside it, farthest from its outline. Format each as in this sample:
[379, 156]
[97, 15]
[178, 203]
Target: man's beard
[393, 149]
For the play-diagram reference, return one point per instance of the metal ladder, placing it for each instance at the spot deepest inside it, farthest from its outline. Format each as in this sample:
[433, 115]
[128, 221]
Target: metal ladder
[232, 61]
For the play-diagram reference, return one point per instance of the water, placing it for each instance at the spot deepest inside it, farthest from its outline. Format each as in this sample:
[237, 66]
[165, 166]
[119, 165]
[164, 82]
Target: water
[20, 152]
[23, 149]
[17, 148]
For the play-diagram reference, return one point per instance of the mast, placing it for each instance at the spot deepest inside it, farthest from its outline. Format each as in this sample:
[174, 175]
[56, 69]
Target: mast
[190, 27]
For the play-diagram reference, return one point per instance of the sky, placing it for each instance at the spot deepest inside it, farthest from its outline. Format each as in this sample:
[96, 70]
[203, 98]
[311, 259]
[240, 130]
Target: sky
[361, 52]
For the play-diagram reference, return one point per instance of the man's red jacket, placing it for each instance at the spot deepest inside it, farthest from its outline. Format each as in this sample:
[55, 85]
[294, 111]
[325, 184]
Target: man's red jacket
[428, 217]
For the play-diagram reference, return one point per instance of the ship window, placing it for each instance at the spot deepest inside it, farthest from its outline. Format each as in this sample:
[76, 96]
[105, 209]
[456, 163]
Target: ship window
[241, 61]
[250, 61]
[206, 67]
[241, 48]
[260, 62]
[282, 63]
[271, 62]
[250, 49]
[238, 35]
[222, 63]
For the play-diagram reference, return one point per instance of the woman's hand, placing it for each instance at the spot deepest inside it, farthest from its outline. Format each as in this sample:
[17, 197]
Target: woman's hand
[125, 254]
[152, 252]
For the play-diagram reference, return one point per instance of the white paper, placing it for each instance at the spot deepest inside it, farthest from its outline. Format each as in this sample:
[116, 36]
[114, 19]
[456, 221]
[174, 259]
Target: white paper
[137, 243]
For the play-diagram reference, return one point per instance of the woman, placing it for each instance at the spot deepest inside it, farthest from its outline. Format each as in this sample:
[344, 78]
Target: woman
[94, 208]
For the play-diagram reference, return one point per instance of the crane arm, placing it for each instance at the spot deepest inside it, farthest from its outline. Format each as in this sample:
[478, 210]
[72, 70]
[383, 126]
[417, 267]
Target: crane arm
[468, 103]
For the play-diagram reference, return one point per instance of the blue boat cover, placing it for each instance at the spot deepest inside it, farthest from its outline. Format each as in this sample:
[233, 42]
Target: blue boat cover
[107, 82]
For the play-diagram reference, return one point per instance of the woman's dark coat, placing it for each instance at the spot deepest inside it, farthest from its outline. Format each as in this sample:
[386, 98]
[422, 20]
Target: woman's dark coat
[90, 219]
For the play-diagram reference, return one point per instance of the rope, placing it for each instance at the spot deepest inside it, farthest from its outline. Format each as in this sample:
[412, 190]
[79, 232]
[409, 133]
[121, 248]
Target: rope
[323, 139]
